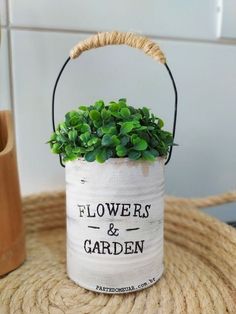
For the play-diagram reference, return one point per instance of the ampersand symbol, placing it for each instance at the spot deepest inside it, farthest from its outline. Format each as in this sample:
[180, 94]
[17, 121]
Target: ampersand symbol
[113, 231]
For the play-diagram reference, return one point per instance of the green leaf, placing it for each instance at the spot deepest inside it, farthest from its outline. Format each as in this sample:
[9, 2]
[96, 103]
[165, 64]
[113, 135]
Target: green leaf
[147, 155]
[61, 138]
[160, 123]
[145, 112]
[122, 100]
[141, 145]
[109, 130]
[97, 123]
[126, 127]
[78, 150]
[122, 104]
[125, 112]
[56, 148]
[71, 156]
[101, 156]
[116, 114]
[95, 115]
[85, 127]
[105, 129]
[132, 109]
[134, 155]
[137, 116]
[93, 141]
[99, 105]
[109, 152]
[124, 140]
[90, 148]
[115, 140]
[114, 107]
[83, 108]
[142, 128]
[154, 152]
[53, 137]
[136, 124]
[73, 134]
[112, 131]
[168, 138]
[135, 139]
[154, 142]
[121, 151]
[85, 137]
[72, 118]
[68, 149]
[100, 132]
[145, 135]
[106, 140]
[153, 118]
[105, 114]
[63, 127]
[90, 156]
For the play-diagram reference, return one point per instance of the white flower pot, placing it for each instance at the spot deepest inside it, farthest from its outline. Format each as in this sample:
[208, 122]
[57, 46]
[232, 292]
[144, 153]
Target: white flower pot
[115, 224]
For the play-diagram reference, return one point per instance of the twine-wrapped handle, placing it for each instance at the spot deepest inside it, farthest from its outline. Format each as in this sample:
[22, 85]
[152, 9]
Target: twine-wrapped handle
[149, 47]
[119, 38]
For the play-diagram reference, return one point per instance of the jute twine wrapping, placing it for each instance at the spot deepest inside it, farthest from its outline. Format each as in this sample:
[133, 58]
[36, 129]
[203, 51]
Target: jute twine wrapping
[149, 47]
[200, 265]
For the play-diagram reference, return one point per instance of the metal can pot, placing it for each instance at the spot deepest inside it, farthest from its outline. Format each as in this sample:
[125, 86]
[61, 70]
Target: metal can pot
[115, 224]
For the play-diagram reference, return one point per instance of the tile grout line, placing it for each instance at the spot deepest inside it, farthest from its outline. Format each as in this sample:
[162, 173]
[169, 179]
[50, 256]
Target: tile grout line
[11, 87]
[91, 32]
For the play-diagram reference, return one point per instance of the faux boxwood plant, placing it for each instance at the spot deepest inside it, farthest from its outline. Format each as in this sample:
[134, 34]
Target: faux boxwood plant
[99, 132]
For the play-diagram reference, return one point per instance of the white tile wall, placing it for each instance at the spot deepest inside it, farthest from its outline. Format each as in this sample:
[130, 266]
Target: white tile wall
[227, 21]
[4, 73]
[205, 161]
[182, 18]
[204, 103]
[3, 13]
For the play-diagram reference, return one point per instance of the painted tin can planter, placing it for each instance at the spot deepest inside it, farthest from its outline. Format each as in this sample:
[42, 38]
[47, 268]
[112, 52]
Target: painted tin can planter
[115, 209]
[115, 224]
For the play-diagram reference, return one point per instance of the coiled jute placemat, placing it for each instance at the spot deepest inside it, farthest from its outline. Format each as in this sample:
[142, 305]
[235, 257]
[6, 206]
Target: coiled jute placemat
[200, 265]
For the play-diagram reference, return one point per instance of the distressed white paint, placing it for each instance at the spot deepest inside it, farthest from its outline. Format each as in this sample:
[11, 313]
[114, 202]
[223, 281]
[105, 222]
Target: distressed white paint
[119, 181]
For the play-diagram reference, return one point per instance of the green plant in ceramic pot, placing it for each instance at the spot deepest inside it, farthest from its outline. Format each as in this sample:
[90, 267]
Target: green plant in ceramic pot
[116, 130]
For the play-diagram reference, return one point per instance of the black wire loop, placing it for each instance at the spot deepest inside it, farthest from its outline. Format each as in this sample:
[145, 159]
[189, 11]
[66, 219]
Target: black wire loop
[175, 106]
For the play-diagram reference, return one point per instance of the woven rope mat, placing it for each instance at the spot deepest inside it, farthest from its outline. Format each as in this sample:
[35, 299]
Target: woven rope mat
[200, 265]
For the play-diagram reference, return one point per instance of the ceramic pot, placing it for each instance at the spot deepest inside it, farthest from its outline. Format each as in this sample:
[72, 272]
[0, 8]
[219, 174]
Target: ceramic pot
[115, 224]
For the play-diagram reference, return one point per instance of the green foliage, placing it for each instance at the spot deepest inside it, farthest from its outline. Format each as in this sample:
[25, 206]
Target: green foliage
[99, 132]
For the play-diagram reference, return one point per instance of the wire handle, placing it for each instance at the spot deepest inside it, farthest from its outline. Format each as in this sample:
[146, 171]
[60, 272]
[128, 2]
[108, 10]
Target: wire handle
[149, 47]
